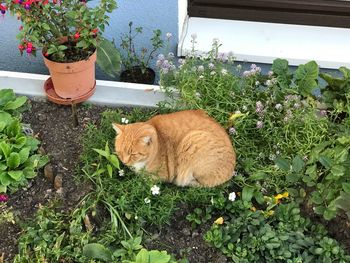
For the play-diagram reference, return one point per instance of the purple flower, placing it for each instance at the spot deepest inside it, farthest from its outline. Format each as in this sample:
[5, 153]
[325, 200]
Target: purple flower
[161, 57]
[246, 73]
[259, 124]
[259, 107]
[211, 66]
[4, 198]
[322, 113]
[270, 73]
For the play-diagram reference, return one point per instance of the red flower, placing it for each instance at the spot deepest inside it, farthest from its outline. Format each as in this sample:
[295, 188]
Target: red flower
[94, 30]
[29, 45]
[76, 35]
[20, 47]
[46, 54]
[21, 27]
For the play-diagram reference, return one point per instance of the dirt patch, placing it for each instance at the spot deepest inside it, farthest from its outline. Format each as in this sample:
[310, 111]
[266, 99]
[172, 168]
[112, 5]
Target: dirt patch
[53, 125]
[181, 240]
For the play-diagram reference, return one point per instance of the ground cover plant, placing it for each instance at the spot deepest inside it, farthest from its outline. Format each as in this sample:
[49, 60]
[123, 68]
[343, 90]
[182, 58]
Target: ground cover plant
[291, 134]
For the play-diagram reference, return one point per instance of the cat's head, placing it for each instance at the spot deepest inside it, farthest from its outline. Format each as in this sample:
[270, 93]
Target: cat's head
[135, 144]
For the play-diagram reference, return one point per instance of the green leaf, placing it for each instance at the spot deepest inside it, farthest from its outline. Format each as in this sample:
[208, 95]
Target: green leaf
[280, 66]
[13, 161]
[17, 103]
[24, 154]
[3, 188]
[283, 164]
[257, 176]
[110, 170]
[101, 152]
[114, 161]
[247, 193]
[16, 175]
[329, 213]
[5, 149]
[20, 142]
[97, 251]
[297, 164]
[346, 187]
[6, 95]
[5, 117]
[325, 161]
[337, 171]
[5, 179]
[108, 58]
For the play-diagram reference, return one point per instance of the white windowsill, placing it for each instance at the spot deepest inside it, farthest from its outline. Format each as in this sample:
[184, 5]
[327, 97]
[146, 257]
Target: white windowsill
[264, 42]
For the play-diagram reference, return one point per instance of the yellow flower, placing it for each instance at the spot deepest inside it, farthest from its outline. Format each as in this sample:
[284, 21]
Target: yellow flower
[253, 208]
[236, 115]
[270, 213]
[219, 221]
[280, 196]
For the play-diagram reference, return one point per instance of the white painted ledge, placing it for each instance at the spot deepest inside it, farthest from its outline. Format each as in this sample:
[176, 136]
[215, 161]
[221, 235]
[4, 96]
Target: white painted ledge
[264, 42]
[111, 93]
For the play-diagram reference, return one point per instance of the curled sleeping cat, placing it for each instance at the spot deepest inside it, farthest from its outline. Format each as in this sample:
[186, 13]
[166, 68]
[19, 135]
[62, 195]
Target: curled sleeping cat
[187, 148]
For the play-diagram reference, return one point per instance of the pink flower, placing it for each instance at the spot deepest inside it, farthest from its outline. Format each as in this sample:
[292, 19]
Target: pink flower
[4, 198]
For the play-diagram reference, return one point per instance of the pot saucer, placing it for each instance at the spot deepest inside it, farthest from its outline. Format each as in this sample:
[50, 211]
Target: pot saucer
[52, 95]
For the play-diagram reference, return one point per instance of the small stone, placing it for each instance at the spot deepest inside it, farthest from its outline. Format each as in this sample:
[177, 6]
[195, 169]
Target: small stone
[48, 172]
[41, 150]
[58, 181]
[186, 232]
[195, 233]
[41, 117]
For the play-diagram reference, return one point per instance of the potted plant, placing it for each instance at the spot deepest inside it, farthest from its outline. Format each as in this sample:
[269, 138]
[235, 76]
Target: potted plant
[68, 34]
[135, 63]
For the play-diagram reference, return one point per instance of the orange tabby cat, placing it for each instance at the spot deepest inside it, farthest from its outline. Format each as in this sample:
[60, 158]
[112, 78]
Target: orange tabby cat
[187, 148]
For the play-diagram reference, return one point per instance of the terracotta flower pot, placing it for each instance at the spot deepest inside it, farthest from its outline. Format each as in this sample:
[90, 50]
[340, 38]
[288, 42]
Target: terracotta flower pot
[135, 75]
[72, 80]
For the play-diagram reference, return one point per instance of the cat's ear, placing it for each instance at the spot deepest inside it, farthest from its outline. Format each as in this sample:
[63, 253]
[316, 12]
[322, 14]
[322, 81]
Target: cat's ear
[147, 140]
[118, 128]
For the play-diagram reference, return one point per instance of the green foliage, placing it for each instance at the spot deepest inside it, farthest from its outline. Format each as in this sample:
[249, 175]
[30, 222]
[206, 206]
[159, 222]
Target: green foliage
[337, 91]
[108, 58]
[284, 236]
[199, 216]
[10, 103]
[18, 159]
[131, 57]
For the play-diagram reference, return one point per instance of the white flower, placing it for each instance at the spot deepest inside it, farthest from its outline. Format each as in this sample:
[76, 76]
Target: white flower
[244, 108]
[212, 73]
[201, 77]
[211, 66]
[239, 67]
[212, 200]
[125, 120]
[168, 35]
[121, 173]
[224, 71]
[155, 190]
[194, 36]
[200, 68]
[147, 200]
[232, 196]
[257, 83]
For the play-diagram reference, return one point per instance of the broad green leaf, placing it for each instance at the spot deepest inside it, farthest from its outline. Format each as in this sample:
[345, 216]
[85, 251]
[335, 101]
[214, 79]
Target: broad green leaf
[108, 58]
[29, 173]
[114, 161]
[346, 187]
[14, 128]
[6, 95]
[5, 149]
[97, 251]
[32, 143]
[338, 171]
[325, 161]
[280, 66]
[329, 213]
[101, 152]
[316, 198]
[283, 164]
[13, 161]
[297, 164]
[20, 142]
[5, 179]
[247, 193]
[5, 117]
[3, 188]
[16, 175]
[257, 176]
[24, 154]
[15, 104]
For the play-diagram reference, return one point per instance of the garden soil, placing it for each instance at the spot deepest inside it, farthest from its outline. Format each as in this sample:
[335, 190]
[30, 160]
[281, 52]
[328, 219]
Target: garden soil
[53, 125]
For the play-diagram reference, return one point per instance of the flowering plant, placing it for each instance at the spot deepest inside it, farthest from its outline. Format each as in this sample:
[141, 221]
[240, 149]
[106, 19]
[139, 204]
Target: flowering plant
[67, 30]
